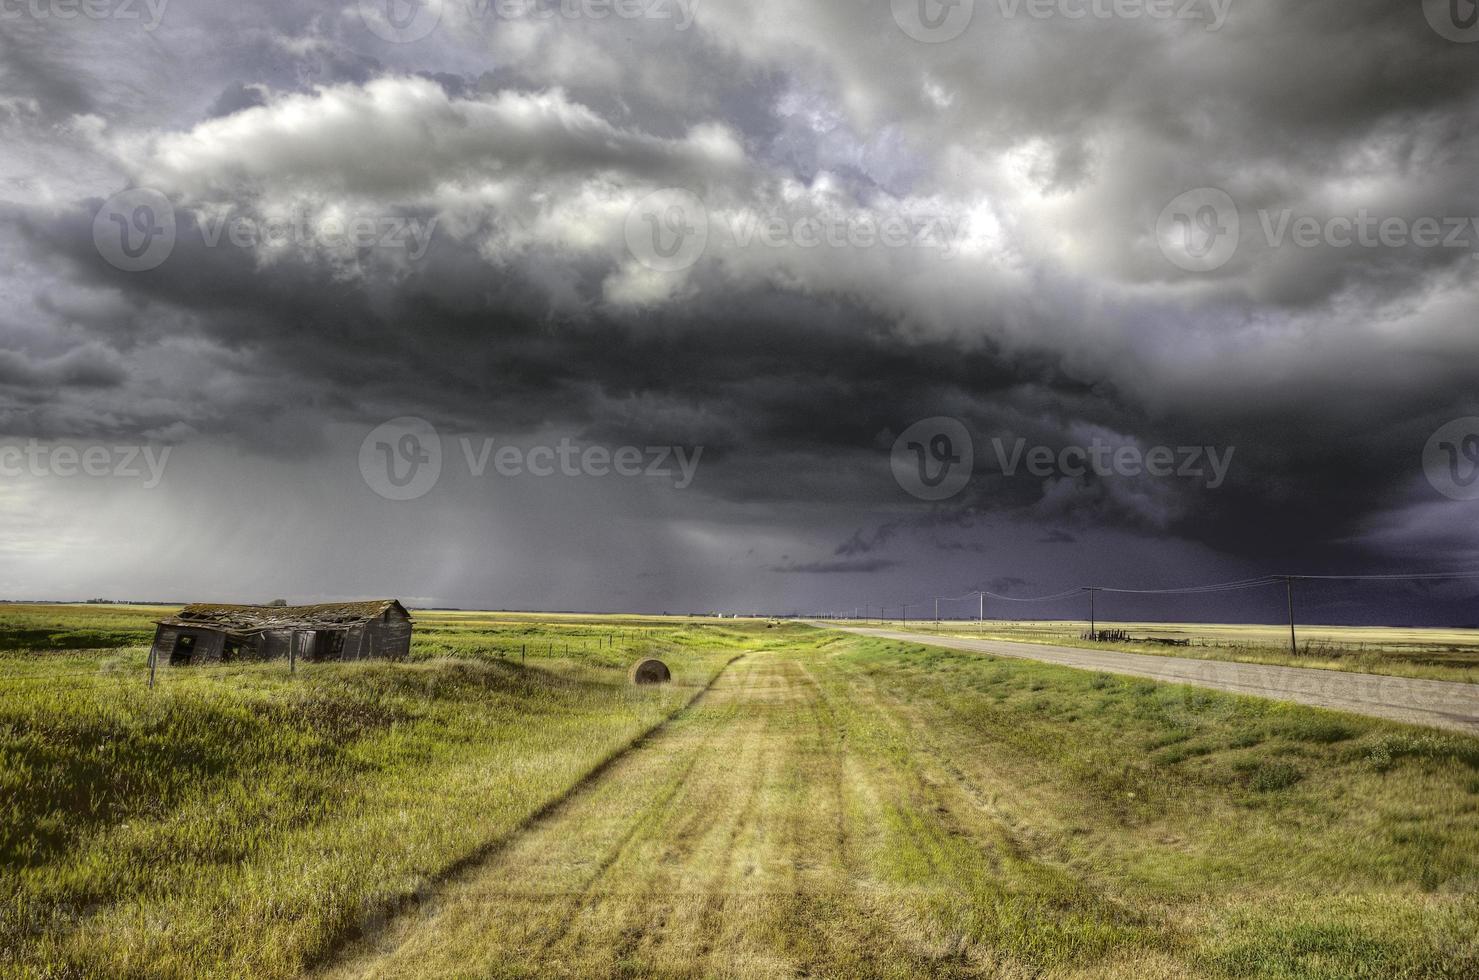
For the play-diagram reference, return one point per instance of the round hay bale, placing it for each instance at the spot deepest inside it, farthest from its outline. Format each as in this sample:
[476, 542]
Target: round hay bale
[650, 671]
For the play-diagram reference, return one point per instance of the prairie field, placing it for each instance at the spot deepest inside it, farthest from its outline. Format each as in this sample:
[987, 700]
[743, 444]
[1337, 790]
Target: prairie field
[1444, 654]
[799, 802]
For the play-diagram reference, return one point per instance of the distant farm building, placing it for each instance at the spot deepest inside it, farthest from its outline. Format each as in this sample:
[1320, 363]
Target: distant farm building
[205, 633]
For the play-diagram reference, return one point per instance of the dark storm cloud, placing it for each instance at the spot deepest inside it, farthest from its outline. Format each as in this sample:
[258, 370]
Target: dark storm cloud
[92, 366]
[236, 97]
[860, 545]
[33, 71]
[838, 566]
[1054, 317]
[1006, 585]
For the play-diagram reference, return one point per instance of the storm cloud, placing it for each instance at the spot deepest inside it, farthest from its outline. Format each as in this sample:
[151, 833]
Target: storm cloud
[785, 233]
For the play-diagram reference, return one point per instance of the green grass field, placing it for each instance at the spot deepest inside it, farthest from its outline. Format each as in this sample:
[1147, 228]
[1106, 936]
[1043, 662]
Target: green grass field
[824, 805]
[1437, 654]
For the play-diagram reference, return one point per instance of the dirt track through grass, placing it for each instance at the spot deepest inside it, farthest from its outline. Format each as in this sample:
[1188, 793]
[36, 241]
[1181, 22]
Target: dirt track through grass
[855, 809]
[690, 856]
[748, 838]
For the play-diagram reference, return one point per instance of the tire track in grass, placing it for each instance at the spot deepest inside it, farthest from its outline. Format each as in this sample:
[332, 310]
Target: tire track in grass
[694, 892]
[718, 893]
[406, 909]
[1046, 915]
[712, 815]
[558, 898]
[722, 848]
[647, 826]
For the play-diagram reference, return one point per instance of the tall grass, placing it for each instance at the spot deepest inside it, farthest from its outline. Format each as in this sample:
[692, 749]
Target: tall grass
[1258, 838]
[1434, 654]
[245, 820]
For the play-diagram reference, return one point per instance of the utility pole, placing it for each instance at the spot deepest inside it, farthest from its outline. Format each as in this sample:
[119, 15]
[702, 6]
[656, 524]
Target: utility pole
[937, 613]
[981, 627]
[1092, 622]
[1289, 591]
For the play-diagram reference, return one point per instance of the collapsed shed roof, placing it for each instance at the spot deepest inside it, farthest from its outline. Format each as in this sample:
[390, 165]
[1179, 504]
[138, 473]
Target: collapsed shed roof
[257, 619]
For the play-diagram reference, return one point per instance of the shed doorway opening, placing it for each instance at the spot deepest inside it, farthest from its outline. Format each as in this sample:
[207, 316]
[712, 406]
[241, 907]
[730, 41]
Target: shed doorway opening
[183, 650]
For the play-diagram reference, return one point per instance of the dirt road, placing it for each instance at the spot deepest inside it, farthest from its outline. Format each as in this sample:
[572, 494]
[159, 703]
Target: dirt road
[1441, 704]
[830, 811]
[721, 846]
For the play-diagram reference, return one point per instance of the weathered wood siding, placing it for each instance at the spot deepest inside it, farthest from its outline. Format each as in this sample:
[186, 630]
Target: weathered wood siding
[164, 641]
[389, 636]
[208, 644]
[273, 645]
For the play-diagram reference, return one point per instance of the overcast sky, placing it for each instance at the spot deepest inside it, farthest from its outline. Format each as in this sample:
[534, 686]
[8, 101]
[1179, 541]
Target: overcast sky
[888, 300]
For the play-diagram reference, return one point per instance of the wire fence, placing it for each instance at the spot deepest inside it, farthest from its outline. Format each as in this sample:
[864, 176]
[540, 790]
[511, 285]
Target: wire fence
[139, 665]
[1286, 582]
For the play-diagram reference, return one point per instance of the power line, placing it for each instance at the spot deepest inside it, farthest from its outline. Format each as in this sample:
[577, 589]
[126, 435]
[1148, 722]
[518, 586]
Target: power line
[1402, 577]
[1236, 585]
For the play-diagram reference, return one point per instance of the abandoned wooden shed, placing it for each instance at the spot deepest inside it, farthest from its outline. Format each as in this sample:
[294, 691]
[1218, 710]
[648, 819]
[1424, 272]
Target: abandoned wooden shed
[204, 633]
